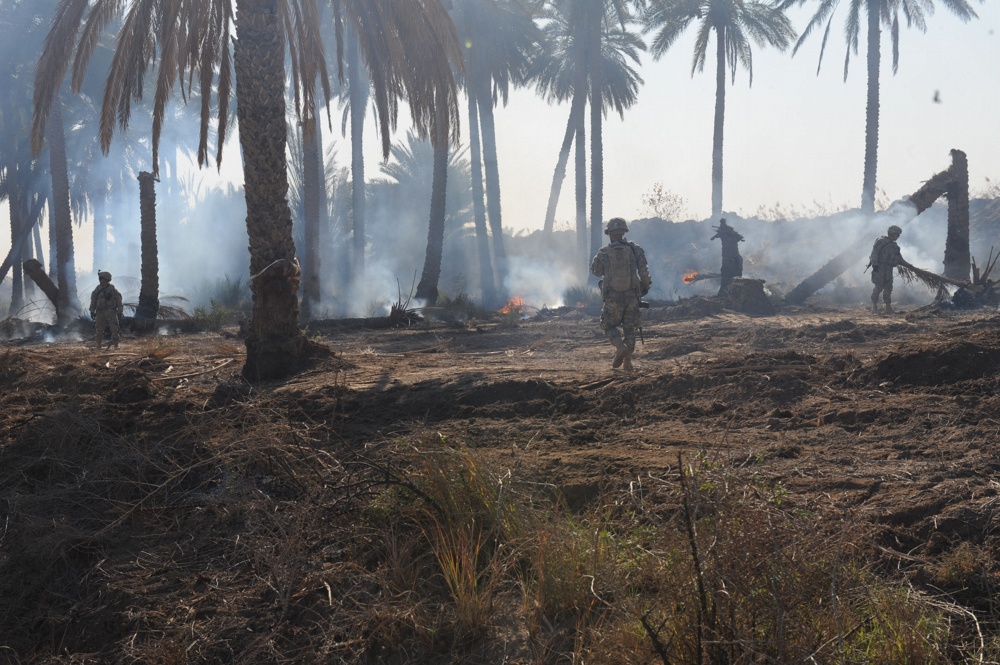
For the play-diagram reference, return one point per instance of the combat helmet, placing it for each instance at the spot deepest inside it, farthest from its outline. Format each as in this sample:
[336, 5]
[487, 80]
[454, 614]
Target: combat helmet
[894, 230]
[104, 274]
[616, 224]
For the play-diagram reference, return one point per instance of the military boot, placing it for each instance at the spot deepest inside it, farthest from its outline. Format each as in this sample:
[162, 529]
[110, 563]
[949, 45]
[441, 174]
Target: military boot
[620, 355]
[889, 311]
[874, 305]
[627, 360]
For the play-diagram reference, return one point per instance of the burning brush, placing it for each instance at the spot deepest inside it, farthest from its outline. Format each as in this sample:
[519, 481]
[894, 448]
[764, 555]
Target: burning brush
[694, 276]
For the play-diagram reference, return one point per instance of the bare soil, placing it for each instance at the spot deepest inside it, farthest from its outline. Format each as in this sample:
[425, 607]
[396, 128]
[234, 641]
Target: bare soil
[893, 421]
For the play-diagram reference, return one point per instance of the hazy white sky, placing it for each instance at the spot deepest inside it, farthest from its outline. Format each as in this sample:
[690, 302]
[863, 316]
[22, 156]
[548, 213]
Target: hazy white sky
[794, 138]
[791, 139]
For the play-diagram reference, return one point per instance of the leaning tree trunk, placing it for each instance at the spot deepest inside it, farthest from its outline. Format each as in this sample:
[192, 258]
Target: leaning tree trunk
[492, 171]
[69, 305]
[427, 287]
[487, 286]
[720, 118]
[358, 92]
[957, 260]
[311, 167]
[36, 272]
[275, 345]
[560, 172]
[872, 109]
[149, 287]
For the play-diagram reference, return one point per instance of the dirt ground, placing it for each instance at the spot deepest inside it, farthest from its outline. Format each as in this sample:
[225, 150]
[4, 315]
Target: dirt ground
[893, 421]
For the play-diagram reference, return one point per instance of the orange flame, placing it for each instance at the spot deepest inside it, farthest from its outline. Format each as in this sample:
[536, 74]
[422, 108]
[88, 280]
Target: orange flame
[513, 306]
[690, 277]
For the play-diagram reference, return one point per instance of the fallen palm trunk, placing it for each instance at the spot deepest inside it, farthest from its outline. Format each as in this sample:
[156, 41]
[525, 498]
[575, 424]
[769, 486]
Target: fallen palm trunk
[34, 270]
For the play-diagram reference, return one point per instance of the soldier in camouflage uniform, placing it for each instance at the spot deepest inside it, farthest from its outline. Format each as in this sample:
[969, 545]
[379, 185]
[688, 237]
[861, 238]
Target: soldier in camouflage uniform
[884, 258]
[106, 308]
[625, 278]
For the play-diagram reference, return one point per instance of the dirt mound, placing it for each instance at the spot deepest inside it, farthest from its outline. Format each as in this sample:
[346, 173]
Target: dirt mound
[941, 362]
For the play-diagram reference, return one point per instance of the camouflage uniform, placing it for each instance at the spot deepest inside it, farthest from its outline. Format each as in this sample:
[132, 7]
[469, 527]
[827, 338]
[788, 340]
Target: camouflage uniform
[621, 307]
[884, 258]
[106, 308]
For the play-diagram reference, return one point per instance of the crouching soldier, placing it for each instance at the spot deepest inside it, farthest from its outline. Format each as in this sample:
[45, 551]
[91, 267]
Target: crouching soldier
[106, 308]
[625, 279]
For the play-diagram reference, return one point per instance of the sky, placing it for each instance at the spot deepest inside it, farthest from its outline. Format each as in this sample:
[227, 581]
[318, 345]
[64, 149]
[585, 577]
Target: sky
[794, 139]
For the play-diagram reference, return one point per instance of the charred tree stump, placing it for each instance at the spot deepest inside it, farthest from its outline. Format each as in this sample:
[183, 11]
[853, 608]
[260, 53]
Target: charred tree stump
[149, 289]
[34, 270]
[957, 259]
[732, 262]
[747, 296]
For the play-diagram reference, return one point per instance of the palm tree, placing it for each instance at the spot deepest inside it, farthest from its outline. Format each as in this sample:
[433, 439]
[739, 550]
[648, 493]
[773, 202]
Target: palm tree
[879, 13]
[193, 38]
[500, 37]
[735, 24]
[590, 58]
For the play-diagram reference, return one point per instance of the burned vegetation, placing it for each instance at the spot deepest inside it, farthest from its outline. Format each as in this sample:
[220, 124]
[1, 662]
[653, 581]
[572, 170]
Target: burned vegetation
[786, 488]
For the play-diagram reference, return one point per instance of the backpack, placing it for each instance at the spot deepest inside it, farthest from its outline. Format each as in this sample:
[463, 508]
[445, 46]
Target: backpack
[621, 267]
[875, 258]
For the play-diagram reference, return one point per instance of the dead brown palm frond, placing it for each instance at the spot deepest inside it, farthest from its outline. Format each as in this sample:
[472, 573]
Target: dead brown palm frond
[931, 280]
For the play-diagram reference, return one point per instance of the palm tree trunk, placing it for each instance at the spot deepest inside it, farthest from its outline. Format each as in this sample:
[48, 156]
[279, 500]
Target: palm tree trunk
[36, 231]
[580, 170]
[720, 118]
[359, 101]
[17, 244]
[311, 167]
[69, 305]
[427, 288]
[149, 287]
[560, 172]
[486, 284]
[596, 142]
[275, 345]
[491, 167]
[872, 110]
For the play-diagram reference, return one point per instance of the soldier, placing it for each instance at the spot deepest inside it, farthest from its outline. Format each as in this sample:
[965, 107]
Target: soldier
[622, 265]
[106, 308]
[884, 257]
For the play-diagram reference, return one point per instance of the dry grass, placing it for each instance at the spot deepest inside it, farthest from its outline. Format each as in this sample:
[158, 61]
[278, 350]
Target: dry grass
[248, 532]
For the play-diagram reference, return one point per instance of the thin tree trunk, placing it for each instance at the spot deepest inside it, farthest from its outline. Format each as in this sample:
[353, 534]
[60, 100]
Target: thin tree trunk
[149, 287]
[69, 305]
[275, 345]
[872, 110]
[580, 170]
[53, 245]
[427, 288]
[720, 118]
[486, 284]
[36, 273]
[311, 167]
[17, 242]
[17, 239]
[101, 218]
[596, 143]
[36, 231]
[492, 172]
[359, 101]
[27, 255]
[560, 172]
